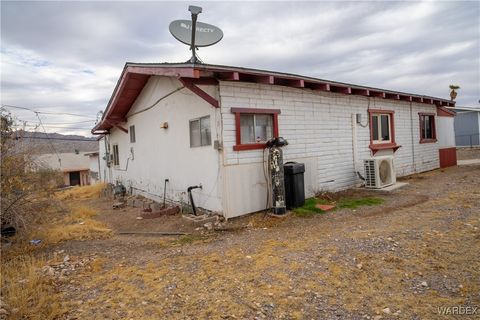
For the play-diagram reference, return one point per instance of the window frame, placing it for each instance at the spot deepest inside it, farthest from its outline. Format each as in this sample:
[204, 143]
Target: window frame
[421, 117]
[116, 155]
[132, 132]
[376, 145]
[199, 119]
[253, 146]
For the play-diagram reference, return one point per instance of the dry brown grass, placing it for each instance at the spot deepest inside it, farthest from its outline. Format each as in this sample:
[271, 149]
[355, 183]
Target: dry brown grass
[31, 294]
[27, 292]
[81, 193]
[78, 225]
[90, 229]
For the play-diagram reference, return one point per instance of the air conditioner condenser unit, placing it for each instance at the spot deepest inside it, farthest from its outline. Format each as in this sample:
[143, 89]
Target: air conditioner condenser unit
[379, 172]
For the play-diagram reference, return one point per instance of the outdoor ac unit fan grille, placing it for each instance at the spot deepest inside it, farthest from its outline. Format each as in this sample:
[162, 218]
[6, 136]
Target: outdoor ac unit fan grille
[384, 172]
[370, 178]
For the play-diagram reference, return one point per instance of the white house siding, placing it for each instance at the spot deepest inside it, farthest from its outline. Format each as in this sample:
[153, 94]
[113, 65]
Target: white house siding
[445, 132]
[105, 172]
[160, 154]
[319, 129]
[95, 174]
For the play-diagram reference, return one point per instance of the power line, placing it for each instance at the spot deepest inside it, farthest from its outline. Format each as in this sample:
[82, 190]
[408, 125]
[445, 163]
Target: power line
[63, 139]
[76, 122]
[54, 127]
[45, 112]
[55, 150]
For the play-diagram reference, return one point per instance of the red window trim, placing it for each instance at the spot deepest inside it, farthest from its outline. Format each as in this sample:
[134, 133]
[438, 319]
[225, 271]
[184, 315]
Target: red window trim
[253, 146]
[434, 128]
[382, 146]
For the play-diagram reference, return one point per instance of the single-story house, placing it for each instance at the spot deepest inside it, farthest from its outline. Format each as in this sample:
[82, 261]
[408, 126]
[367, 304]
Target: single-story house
[206, 124]
[94, 166]
[73, 165]
[467, 126]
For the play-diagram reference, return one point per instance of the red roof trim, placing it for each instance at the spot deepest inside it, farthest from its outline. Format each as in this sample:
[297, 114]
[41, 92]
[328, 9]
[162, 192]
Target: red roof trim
[135, 76]
[444, 112]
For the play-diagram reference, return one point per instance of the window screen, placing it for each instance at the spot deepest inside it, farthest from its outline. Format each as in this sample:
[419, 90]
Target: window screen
[256, 128]
[385, 127]
[247, 134]
[374, 128]
[116, 160]
[200, 132]
[132, 134]
[427, 130]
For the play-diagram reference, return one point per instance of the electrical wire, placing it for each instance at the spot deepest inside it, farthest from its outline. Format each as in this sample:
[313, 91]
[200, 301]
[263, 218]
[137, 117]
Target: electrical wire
[45, 112]
[48, 123]
[155, 103]
[51, 144]
[53, 138]
[54, 127]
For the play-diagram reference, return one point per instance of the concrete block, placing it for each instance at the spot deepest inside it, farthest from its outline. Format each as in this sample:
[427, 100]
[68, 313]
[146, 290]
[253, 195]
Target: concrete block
[199, 220]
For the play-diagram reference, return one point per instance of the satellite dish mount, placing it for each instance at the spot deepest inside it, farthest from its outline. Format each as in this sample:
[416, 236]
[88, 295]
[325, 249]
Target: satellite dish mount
[195, 12]
[195, 34]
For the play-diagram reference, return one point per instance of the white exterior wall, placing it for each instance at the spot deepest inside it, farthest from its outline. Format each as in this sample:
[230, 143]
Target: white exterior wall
[68, 161]
[94, 169]
[160, 154]
[445, 132]
[105, 174]
[319, 127]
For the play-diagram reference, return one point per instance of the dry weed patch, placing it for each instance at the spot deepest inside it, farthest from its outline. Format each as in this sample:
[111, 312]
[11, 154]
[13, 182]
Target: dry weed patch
[81, 193]
[27, 292]
[77, 225]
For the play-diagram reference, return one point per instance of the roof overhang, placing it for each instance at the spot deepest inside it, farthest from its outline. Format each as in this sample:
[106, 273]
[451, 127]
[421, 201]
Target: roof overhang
[135, 76]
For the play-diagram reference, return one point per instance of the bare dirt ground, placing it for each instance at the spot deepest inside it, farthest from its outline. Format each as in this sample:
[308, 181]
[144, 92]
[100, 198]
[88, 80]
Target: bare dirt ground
[408, 258]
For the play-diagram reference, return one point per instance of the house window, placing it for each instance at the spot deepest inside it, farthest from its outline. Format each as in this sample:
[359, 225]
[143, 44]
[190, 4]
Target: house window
[382, 130]
[254, 127]
[116, 160]
[200, 133]
[132, 134]
[427, 128]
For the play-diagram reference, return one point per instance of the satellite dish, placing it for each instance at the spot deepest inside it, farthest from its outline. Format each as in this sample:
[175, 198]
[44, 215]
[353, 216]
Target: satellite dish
[205, 34]
[195, 34]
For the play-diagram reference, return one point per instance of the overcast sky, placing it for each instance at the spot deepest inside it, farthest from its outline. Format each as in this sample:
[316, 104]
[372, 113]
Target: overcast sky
[66, 57]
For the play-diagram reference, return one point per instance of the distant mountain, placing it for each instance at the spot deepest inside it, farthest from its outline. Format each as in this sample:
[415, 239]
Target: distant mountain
[41, 143]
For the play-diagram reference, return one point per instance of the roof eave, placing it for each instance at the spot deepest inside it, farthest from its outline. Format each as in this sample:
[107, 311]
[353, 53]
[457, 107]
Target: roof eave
[135, 75]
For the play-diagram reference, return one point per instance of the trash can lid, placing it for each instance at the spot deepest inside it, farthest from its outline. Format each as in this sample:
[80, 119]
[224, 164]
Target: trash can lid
[294, 167]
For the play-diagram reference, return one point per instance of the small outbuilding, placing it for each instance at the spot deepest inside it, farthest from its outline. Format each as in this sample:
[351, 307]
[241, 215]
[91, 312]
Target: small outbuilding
[199, 124]
[73, 165]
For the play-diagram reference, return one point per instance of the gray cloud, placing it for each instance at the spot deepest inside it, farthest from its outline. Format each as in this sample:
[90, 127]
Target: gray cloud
[69, 55]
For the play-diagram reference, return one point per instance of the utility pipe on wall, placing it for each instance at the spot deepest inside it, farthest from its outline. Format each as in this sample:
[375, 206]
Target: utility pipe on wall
[354, 142]
[189, 190]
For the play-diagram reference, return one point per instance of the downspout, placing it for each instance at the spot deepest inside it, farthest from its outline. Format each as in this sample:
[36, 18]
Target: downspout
[354, 142]
[107, 159]
[99, 171]
[412, 140]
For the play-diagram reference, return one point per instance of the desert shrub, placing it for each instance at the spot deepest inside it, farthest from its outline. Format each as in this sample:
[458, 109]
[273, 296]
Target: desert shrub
[23, 190]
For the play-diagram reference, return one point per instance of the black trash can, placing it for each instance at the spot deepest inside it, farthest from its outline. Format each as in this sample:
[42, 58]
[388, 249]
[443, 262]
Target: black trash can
[294, 184]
